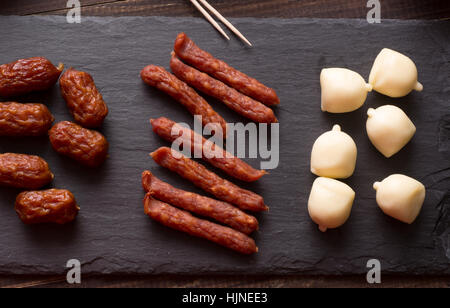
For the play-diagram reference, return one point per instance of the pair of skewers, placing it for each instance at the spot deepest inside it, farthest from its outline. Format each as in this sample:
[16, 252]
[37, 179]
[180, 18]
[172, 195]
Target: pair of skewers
[220, 17]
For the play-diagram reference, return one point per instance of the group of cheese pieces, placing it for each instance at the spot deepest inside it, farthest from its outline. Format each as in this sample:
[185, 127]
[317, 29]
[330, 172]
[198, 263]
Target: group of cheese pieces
[389, 129]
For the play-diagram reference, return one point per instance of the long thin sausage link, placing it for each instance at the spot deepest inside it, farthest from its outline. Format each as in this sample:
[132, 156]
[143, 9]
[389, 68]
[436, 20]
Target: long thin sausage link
[209, 181]
[221, 211]
[183, 221]
[158, 77]
[211, 153]
[190, 53]
[234, 100]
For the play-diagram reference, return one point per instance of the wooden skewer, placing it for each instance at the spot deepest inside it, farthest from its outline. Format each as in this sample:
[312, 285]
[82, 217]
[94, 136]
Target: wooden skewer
[225, 21]
[209, 18]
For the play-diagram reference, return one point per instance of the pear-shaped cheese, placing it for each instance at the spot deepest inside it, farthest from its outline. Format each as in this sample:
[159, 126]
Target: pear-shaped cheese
[334, 155]
[389, 129]
[400, 197]
[394, 74]
[330, 203]
[343, 90]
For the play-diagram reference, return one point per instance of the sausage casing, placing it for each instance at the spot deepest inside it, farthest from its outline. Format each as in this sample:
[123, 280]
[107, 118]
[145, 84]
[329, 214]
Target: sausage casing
[209, 181]
[233, 99]
[24, 171]
[211, 153]
[24, 119]
[28, 75]
[86, 146]
[190, 53]
[83, 98]
[221, 211]
[158, 77]
[183, 221]
[47, 206]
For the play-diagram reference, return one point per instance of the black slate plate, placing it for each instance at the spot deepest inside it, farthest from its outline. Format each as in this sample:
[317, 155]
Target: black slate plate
[112, 234]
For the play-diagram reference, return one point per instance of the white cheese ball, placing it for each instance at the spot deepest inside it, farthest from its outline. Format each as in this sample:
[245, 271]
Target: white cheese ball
[389, 129]
[343, 90]
[400, 197]
[394, 74]
[334, 155]
[330, 203]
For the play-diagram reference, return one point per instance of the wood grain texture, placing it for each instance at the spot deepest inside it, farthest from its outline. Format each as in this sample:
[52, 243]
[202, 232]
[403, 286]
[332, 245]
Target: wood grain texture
[390, 9]
[406, 9]
[224, 281]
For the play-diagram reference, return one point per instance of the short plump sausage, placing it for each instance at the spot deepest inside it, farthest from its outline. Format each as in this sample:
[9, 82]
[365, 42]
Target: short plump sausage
[20, 120]
[28, 75]
[24, 171]
[47, 206]
[83, 99]
[86, 146]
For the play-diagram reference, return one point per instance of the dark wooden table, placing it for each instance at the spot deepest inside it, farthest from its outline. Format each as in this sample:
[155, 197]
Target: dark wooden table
[398, 9]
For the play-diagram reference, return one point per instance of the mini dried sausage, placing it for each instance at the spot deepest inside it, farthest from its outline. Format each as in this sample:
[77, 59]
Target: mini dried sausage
[211, 153]
[221, 211]
[48, 206]
[86, 146]
[234, 100]
[28, 75]
[24, 119]
[183, 221]
[190, 53]
[83, 99]
[209, 181]
[158, 77]
[24, 171]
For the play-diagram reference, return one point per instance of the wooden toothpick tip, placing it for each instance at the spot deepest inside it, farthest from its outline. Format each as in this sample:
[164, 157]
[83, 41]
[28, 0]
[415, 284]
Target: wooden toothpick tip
[209, 18]
[225, 21]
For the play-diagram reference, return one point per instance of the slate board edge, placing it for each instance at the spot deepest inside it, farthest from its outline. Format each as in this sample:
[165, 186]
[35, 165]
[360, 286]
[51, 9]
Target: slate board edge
[102, 265]
[254, 20]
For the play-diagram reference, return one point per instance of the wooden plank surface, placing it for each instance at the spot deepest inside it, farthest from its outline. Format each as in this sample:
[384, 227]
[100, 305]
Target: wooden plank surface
[406, 9]
[225, 281]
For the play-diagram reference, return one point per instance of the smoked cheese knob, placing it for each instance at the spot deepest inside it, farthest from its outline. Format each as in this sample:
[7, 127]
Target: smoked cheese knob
[334, 154]
[400, 197]
[330, 203]
[343, 90]
[389, 129]
[394, 74]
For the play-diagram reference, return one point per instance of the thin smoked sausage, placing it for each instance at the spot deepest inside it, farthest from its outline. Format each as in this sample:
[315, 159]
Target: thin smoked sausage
[190, 53]
[233, 99]
[158, 77]
[211, 153]
[209, 181]
[183, 221]
[221, 211]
